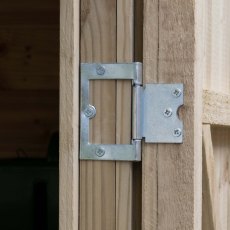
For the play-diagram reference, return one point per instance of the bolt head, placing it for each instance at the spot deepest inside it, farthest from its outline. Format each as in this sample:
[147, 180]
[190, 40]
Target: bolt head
[90, 111]
[176, 92]
[177, 132]
[100, 152]
[100, 70]
[168, 112]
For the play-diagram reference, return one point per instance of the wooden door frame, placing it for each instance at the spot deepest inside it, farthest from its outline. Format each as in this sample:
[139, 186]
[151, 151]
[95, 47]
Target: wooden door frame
[171, 183]
[69, 114]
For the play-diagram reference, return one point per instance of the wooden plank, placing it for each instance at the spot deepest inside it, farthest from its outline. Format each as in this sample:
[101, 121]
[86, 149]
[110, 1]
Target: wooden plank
[216, 108]
[220, 137]
[97, 179]
[172, 173]
[208, 188]
[217, 54]
[124, 176]
[69, 115]
[216, 81]
[149, 152]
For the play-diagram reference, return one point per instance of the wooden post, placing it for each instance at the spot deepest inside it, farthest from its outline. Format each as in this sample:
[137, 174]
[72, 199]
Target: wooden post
[172, 173]
[124, 175]
[97, 178]
[69, 114]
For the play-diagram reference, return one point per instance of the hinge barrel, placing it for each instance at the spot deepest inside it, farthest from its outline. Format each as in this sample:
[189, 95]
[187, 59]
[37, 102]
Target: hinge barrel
[137, 112]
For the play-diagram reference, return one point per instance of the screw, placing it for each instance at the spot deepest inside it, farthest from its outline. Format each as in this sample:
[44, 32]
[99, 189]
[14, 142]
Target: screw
[176, 92]
[100, 70]
[90, 111]
[168, 112]
[177, 132]
[100, 152]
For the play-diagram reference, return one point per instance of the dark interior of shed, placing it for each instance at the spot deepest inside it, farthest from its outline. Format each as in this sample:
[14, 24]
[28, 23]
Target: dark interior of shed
[29, 114]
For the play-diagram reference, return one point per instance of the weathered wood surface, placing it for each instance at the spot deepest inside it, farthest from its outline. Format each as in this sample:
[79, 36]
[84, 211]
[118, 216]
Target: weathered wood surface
[124, 170]
[216, 101]
[221, 149]
[216, 108]
[208, 188]
[172, 173]
[97, 178]
[69, 115]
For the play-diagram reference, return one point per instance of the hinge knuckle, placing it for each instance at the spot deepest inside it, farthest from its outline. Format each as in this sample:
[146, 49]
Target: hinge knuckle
[138, 73]
[137, 112]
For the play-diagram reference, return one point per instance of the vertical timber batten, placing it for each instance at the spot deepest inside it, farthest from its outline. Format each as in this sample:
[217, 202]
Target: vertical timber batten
[69, 114]
[172, 173]
[124, 176]
[97, 178]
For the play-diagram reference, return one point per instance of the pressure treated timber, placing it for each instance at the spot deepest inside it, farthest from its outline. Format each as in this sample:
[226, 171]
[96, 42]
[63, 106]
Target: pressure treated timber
[149, 152]
[216, 108]
[173, 50]
[216, 85]
[97, 179]
[217, 46]
[124, 170]
[220, 140]
[69, 115]
[208, 188]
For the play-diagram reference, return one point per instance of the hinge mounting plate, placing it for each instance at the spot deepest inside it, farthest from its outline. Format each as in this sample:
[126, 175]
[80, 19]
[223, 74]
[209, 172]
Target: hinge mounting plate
[154, 114]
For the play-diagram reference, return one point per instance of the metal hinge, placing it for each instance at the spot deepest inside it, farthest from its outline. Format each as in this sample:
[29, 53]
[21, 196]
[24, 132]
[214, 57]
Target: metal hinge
[154, 112]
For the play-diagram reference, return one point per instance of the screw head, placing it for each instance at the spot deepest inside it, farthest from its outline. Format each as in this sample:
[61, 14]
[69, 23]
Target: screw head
[90, 111]
[100, 70]
[168, 112]
[176, 92]
[100, 152]
[177, 132]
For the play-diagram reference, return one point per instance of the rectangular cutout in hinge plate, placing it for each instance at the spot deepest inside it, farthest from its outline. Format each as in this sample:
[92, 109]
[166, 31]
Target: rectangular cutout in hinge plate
[154, 112]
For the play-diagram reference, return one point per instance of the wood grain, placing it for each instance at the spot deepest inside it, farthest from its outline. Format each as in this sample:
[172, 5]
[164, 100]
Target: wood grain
[97, 179]
[216, 82]
[220, 139]
[69, 115]
[172, 173]
[149, 152]
[216, 108]
[208, 177]
[217, 54]
[124, 175]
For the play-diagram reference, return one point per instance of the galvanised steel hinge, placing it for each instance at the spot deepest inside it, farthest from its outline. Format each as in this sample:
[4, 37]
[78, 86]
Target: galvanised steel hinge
[154, 112]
